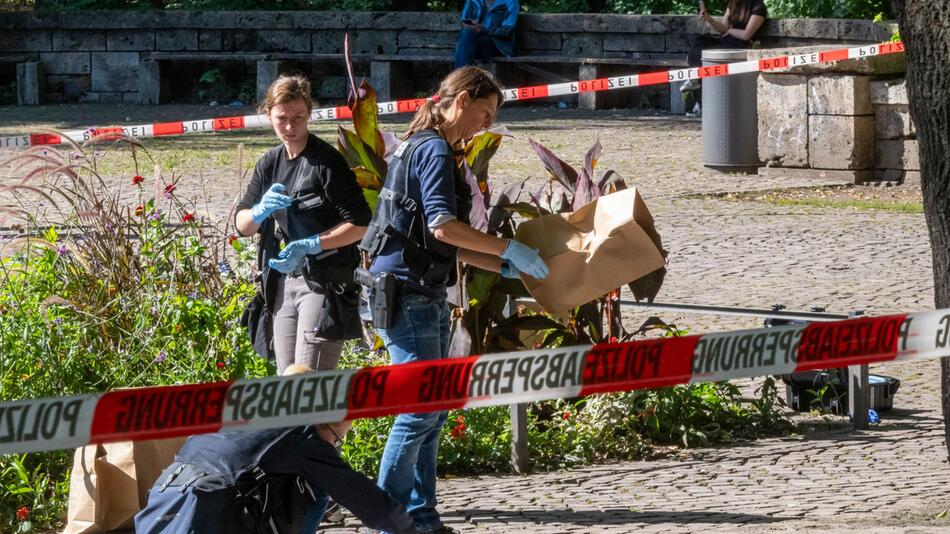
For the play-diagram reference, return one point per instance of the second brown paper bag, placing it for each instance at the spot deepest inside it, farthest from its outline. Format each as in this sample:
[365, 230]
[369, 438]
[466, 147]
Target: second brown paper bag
[596, 249]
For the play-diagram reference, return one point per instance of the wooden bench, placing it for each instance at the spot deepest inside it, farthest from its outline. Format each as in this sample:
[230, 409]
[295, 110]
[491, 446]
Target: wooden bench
[390, 75]
[29, 77]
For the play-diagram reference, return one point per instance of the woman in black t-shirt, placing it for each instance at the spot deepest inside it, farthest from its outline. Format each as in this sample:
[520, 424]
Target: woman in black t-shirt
[304, 195]
[736, 28]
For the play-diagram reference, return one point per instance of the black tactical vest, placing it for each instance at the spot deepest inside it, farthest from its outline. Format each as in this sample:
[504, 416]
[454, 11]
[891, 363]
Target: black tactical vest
[399, 217]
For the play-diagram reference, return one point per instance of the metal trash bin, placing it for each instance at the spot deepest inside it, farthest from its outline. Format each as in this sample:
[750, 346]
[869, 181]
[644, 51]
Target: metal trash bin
[730, 117]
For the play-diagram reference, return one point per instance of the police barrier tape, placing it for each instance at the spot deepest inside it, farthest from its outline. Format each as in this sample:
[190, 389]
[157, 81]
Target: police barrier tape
[516, 94]
[486, 380]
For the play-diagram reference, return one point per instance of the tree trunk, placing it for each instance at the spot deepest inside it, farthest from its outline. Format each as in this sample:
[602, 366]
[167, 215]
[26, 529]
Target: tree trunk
[925, 30]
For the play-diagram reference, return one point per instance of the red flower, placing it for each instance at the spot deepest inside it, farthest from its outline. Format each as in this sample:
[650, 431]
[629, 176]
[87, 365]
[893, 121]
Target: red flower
[137, 179]
[458, 432]
[566, 415]
[231, 239]
[169, 188]
[460, 419]
[187, 217]
[613, 339]
[22, 513]
[220, 365]
[139, 211]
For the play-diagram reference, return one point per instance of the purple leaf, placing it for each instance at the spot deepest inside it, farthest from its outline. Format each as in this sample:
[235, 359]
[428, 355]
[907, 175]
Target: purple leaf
[478, 217]
[562, 172]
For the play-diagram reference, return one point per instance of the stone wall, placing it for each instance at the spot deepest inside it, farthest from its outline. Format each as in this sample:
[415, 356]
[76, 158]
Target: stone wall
[847, 119]
[95, 56]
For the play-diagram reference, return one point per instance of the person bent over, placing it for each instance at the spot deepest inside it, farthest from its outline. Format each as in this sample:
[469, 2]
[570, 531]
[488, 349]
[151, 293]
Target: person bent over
[274, 481]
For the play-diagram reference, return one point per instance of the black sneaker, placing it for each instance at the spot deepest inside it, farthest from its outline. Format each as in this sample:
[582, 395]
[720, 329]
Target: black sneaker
[444, 529]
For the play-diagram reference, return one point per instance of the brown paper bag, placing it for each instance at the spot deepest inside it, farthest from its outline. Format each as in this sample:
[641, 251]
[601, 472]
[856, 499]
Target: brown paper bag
[600, 247]
[109, 483]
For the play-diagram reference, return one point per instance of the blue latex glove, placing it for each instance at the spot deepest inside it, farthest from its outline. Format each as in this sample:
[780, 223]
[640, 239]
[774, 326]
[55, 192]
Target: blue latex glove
[294, 252]
[508, 270]
[274, 199]
[525, 259]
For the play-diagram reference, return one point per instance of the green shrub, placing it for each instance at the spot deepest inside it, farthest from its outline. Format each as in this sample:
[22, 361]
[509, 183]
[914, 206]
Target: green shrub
[97, 295]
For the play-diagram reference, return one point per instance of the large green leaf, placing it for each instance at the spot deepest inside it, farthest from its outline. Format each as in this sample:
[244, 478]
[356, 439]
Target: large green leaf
[361, 154]
[479, 287]
[366, 119]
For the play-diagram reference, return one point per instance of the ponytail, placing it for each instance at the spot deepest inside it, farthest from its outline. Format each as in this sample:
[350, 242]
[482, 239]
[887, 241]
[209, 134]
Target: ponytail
[478, 82]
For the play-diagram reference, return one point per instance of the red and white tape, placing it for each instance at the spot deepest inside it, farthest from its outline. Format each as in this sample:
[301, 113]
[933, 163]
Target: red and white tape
[487, 380]
[516, 94]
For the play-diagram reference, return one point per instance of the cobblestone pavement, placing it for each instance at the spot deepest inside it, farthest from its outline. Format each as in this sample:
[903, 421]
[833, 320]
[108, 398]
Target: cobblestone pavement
[892, 477]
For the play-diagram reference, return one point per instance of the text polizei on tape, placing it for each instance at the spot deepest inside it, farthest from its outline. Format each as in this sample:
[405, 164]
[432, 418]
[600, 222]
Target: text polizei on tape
[514, 94]
[486, 380]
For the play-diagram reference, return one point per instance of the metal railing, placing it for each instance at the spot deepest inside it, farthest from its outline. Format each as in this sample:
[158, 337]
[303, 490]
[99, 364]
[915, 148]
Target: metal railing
[858, 387]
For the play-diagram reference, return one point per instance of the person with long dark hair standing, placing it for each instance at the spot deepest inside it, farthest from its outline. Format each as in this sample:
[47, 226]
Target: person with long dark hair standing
[304, 195]
[736, 29]
[418, 235]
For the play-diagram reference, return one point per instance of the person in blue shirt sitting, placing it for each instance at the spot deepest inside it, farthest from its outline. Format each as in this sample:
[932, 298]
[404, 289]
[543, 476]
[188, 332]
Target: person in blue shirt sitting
[488, 29]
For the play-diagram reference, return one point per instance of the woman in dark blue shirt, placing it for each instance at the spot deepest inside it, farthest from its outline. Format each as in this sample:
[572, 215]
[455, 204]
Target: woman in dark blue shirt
[418, 234]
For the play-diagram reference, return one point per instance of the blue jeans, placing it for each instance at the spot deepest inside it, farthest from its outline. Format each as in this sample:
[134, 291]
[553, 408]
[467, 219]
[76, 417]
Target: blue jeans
[473, 45]
[315, 513]
[420, 331]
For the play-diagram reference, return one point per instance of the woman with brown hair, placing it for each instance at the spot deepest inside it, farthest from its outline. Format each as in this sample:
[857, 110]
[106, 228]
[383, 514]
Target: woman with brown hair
[304, 195]
[419, 233]
[736, 28]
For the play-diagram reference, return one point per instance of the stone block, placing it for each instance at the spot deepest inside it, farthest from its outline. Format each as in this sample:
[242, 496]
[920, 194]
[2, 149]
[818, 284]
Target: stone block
[839, 95]
[828, 176]
[130, 40]
[150, 86]
[86, 40]
[267, 72]
[897, 154]
[783, 126]
[426, 39]
[76, 86]
[239, 41]
[30, 83]
[25, 41]
[66, 62]
[864, 31]
[841, 142]
[115, 71]
[395, 20]
[209, 40]
[634, 43]
[327, 42]
[391, 79]
[893, 122]
[583, 44]
[678, 43]
[110, 97]
[810, 28]
[889, 92]
[176, 40]
[877, 65]
[374, 42]
[531, 40]
[283, 41]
